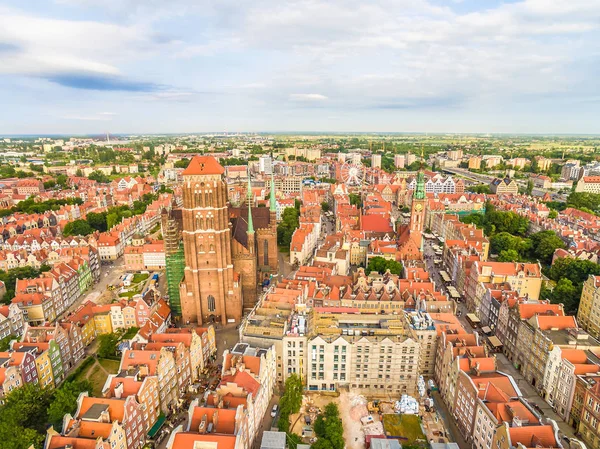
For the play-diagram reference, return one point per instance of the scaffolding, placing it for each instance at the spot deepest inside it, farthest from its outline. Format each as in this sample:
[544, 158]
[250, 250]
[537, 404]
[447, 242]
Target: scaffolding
[175, 272]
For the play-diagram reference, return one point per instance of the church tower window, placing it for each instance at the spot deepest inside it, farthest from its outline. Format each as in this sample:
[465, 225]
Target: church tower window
[266, 252]
[211, 303]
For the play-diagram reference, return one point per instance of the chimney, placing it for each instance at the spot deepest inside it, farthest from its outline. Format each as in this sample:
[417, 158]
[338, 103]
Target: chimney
[119, 390]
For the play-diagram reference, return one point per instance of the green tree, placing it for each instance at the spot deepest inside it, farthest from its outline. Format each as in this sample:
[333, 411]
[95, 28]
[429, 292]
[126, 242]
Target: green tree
[10, 278]
[289, 223]
[328, 428]
[107, 345]
[112, 219]
[63, 181]
[544, 243]
[5, 343]
[325, 206]
[567, 294]
[322, 443]
[77, 227]
[381, 265]
[529, 188]
[97, 220]
[182, 163]
[581, 200]
[64, 401]
[49, 184]
[24, 416]
[79, 173]
[355, 200]
[509, 255]
[98, 176]
[552, 214]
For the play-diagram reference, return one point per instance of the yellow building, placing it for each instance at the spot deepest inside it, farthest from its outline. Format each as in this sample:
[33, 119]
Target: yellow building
[102, 320]
[84, 317]
[588, 315]
[504, 186]
[475, 163]
[43, 366]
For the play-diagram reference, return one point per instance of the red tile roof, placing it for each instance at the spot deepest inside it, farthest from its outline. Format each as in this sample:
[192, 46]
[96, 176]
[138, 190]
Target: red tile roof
[204, 165]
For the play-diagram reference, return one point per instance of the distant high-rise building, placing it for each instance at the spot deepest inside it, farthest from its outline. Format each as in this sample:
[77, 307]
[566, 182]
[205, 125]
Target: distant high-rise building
[265, 164]
[410, 158]
[376, 160]
[455, 155]
[475, 162]
[399, 160]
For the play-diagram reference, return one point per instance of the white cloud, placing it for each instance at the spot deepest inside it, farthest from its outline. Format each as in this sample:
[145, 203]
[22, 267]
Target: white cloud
[266, 57]
[308, 97]
[46, 46]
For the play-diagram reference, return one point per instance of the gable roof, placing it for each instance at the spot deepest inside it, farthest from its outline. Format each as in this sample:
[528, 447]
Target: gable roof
[203, 165]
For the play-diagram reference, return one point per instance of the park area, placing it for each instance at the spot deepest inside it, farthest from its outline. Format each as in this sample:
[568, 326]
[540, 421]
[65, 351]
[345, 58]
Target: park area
[96, 371]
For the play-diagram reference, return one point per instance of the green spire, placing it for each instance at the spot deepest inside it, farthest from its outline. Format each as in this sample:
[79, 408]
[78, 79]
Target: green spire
[249, 203]
[419, 193]
[273, 204]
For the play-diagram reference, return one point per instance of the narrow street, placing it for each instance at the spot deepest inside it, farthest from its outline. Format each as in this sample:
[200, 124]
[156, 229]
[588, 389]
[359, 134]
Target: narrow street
[502, 363]
[531, 395]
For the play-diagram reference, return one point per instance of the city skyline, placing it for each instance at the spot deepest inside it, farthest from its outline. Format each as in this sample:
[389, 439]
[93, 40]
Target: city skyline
[88, 67]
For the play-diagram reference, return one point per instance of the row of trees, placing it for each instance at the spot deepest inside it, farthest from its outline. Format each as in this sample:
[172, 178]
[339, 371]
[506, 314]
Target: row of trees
[30, 206]
[103, 221]
[29, 410]
[289, 404]
[290, 220]
[495, 221]
[587, 202]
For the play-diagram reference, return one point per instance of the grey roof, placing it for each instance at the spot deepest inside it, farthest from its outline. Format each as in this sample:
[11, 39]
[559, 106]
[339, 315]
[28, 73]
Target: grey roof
[95, 411]
[444, 446]
[273, 440]
[384, 443]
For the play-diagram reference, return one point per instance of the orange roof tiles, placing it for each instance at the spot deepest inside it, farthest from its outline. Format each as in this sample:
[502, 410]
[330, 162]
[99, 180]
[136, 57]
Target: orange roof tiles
[556, 322]
[203, 165]
[574, 356]
[243, 380]
[225, 419]
[116, 407]
[530, 309]
[185, 440]
[533, 436]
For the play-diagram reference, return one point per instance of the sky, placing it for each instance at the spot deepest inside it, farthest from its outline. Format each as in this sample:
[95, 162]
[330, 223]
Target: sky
[178, 66]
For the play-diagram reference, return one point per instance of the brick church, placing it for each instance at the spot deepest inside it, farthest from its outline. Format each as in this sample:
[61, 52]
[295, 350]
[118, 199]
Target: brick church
[228, 251]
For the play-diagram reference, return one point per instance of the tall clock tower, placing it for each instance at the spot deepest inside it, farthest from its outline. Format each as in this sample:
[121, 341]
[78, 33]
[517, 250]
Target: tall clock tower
[419, 201]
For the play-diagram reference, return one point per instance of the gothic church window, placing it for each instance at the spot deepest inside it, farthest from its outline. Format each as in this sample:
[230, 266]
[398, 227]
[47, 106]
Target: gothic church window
[266, 252]
[211, 303]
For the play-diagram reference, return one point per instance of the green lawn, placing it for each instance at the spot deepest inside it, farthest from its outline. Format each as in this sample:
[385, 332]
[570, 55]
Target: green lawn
[128, 294]
[97, 376]
[130, 333]
[404, 426]
[112, 366]
[139, 277]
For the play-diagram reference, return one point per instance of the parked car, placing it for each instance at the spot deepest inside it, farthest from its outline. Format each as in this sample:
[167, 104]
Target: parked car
[274, 411]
